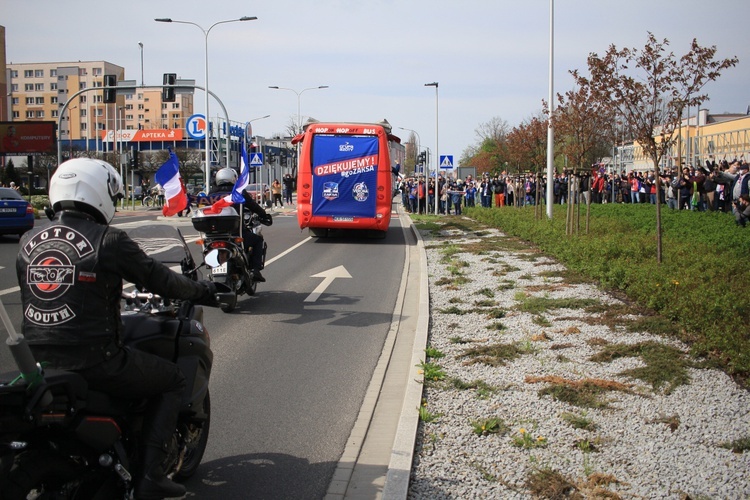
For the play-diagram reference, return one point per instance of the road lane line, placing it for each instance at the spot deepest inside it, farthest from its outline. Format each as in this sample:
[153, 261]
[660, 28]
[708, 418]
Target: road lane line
[288, 250]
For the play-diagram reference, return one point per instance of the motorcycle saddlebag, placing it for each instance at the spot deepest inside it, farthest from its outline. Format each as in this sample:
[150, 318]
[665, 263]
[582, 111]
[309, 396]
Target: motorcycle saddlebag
[20, 408]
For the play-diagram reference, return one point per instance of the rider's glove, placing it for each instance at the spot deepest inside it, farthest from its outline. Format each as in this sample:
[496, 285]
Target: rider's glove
[209, 297]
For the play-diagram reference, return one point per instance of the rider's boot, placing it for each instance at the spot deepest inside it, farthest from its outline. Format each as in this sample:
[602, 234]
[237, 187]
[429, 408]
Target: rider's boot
[154, 484]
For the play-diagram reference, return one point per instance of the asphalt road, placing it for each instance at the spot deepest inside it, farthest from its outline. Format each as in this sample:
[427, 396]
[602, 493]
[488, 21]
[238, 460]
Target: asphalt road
[291, 366]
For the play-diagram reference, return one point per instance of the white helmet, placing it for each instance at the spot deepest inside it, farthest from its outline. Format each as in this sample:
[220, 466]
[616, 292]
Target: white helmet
[88, 185]
[226, 176]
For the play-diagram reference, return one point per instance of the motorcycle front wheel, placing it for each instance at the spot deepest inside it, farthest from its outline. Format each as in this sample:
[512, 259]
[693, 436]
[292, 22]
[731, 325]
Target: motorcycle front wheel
[194, 452]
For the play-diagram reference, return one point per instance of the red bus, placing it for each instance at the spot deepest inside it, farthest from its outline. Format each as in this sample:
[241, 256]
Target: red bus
[344, 179]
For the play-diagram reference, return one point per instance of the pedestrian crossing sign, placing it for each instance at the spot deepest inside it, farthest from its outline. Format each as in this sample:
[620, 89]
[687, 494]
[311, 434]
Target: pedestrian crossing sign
[256, 159]
[446, 161]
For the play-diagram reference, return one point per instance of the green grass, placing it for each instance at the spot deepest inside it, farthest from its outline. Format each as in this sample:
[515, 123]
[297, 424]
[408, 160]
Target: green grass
[432, 372]
[665, 365]
[538, 305]
[485, 426]
[697, 287]
[578, 421]
[426, 415]
[482, 388]
[493, 355]
[739, 445]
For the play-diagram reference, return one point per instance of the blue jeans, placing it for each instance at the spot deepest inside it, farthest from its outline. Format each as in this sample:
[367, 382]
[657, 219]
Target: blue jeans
[634, 197]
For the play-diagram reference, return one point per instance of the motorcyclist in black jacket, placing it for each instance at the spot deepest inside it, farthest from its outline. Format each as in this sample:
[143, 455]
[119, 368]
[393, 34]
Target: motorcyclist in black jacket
[70, 274]
[225, 180]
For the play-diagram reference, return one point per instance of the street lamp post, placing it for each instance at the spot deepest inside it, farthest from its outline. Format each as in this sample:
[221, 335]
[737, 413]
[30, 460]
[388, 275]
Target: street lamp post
[299, 95]
[249, 128]
[205, 34]
[119, 115]
[140, 45]
[437, 135]
[249, 137]
[299, 113]
[550, 125]
[70, 136]
[419, 142]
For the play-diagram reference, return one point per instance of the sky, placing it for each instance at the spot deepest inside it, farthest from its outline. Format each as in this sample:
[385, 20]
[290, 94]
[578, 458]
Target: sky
[490, 58]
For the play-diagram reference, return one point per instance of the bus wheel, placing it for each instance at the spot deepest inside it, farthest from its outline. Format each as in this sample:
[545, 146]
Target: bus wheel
[374, 234]
[318, 232]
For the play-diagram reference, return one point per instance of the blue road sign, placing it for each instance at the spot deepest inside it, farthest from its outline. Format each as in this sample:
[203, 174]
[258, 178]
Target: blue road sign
[446, 161]
[256, 159]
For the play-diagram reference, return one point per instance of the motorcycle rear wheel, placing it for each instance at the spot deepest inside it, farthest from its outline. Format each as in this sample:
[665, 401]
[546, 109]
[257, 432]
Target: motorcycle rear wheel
[233, 284]
[194, 454]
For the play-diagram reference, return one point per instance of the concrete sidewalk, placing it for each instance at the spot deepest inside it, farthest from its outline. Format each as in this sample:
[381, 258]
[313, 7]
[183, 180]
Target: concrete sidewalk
[376, 462]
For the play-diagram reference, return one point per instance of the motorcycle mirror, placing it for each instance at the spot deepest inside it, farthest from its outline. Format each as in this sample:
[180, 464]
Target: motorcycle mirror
[212, 258]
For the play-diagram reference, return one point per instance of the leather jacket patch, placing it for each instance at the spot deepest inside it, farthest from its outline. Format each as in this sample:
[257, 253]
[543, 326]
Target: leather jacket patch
[49, 317]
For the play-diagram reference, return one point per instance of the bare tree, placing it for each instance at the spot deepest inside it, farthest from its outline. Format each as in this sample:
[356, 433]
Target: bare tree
[650, 89]
[292, 128]
[496, 129]
[491, 152]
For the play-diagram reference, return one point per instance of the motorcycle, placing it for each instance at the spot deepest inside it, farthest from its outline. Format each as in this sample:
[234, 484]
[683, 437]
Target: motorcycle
[223, 251]
[59, 439]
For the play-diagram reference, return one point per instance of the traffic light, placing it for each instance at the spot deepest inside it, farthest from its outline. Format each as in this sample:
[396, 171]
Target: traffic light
[110, 95]
[422, 157]
[134, 159]
[167, 93]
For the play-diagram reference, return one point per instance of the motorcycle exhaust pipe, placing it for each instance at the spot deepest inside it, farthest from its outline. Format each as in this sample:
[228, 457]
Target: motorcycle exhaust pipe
[31, 371]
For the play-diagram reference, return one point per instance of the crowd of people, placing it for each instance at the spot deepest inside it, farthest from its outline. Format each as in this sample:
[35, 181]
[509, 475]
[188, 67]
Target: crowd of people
[722, 186]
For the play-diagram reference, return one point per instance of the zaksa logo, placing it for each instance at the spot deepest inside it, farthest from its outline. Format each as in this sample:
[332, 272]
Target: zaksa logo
[346, 147]
[330, 190]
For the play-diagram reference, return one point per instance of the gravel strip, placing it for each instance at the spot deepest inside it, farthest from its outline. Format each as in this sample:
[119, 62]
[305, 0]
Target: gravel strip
[646, 442]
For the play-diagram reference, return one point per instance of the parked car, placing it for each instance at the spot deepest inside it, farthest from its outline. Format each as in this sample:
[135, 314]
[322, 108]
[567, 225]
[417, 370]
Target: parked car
[16, 214]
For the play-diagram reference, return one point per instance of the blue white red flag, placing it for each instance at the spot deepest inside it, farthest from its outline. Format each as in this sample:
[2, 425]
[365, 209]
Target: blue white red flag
[236, 195]
[168, 176]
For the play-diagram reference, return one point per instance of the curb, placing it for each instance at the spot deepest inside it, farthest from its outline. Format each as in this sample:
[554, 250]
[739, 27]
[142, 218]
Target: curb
[402, 454]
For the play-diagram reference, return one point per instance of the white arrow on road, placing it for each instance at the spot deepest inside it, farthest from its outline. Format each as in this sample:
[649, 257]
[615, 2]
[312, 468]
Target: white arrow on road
[328, 277]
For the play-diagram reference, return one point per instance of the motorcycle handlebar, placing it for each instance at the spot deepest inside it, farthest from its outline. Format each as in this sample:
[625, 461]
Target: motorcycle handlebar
[223, 296]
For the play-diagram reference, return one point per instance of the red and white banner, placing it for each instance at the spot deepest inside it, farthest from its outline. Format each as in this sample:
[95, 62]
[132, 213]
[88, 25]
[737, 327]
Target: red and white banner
[144, 135]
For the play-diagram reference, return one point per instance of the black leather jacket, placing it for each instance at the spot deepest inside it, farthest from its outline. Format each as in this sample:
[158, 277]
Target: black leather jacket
[70, 274]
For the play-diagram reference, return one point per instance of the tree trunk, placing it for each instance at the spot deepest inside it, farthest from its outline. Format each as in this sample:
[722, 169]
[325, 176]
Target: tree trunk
[658, 210]
[588, 206]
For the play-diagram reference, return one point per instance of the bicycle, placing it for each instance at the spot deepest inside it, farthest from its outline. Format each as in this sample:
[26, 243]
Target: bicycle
[149, 200]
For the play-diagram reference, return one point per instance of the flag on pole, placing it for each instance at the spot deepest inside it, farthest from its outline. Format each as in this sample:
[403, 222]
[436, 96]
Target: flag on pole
[236, 195]
[168, 176]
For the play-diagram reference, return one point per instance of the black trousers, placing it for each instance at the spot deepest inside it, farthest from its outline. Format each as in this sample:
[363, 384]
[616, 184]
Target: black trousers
[253, 241]
[133, 374]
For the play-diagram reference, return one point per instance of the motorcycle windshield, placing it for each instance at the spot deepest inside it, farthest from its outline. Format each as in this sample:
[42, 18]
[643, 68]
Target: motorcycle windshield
[162, 242]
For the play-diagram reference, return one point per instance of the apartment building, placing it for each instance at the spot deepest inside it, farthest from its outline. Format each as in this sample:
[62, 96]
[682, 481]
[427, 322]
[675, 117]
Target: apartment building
[39, 91]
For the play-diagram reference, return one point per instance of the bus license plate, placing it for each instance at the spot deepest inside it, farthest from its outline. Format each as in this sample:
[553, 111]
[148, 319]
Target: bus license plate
[221, 269]
[344, 219]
